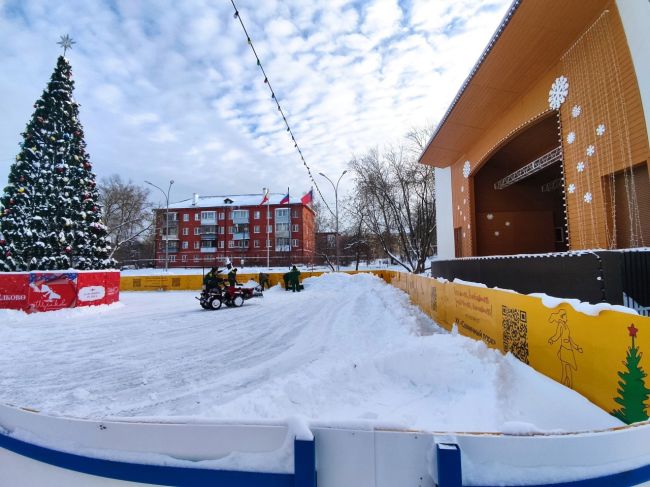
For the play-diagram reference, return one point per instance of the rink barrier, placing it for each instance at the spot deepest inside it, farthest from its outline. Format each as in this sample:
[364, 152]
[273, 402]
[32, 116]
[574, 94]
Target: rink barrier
[52, 290]
[345, 456]
[585, 347]
[193, 282]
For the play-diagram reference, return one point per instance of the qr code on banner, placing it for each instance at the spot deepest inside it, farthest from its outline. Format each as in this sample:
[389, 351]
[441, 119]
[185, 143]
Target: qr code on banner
[515, 332]
[434, 299]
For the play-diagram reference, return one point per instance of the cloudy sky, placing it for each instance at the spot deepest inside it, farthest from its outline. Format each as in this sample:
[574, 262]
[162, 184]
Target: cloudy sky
[170, 89]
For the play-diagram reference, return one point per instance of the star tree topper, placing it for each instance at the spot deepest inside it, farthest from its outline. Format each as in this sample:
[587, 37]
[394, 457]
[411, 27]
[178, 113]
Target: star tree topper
[66, 43]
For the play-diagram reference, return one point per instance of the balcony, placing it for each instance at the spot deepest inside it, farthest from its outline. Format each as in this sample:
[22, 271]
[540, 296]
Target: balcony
[241, 236]
[239, 219]
[208, 250]
[283, 248]
[208, 220]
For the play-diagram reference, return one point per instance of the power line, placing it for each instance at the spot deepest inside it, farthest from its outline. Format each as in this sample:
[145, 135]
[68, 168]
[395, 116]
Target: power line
[267, 82]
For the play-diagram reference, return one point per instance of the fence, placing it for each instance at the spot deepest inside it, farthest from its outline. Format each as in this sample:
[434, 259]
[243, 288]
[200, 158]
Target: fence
[616, 277]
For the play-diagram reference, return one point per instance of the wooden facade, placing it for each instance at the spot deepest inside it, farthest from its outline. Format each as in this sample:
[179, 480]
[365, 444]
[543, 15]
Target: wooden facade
[501, 120]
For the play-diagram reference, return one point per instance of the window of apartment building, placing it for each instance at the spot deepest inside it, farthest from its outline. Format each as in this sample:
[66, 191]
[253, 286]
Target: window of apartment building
[269, 228]
[196, 258]
[256, 215]
[222, 230]
[256, 229]
[184, 258]
[232, 230]
[197, 230]
[207, 244]
[231, 244]
[295, 243]
[282, 214]
[197, 245]
[295, 228]
[240, 215]
[222, 216]
[207, 215]
[208, 229]
[282, 227]
[256, 244]
[186, 217]
[268, 243]
[220, 244]
[172, 258]
[186, 231]
[186, 245]
[197, 217]
[294, 213]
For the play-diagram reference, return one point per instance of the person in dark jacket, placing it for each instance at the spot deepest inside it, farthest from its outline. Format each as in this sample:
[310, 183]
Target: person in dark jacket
[210, 280]
[232, 277]
[294, 279]
[263, 279]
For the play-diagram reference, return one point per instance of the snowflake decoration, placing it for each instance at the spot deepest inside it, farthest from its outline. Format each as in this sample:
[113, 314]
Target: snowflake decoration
[572, 188]
[587, 198]
[571, 137]
[467, 167]
[576, 111]
[496, 233]
[489, 216]
[600, 130]
[591, 150]
[581, 166]
[462, 189]
[507, 224]
[558, 93]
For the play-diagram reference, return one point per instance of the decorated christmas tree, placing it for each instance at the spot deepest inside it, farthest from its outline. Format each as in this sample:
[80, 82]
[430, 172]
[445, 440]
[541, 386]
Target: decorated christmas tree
[50, 218]
[632, 392]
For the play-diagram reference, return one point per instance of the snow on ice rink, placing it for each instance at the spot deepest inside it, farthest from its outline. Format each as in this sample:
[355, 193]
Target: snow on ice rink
[347, 350]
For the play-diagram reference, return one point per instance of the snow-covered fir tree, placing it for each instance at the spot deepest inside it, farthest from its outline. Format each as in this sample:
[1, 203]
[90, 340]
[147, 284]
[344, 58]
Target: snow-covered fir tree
[50, 218]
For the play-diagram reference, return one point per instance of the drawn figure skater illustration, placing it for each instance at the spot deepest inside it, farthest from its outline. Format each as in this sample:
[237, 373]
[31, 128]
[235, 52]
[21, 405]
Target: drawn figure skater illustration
[567, 346]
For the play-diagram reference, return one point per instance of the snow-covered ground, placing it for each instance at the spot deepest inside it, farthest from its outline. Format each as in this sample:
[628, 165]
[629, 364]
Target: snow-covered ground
[349, 349]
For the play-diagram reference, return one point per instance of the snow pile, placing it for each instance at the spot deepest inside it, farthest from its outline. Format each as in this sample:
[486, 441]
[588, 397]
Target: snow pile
[349, 350]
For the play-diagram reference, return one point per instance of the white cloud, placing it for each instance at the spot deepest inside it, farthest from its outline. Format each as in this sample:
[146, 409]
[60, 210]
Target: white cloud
[170, 90]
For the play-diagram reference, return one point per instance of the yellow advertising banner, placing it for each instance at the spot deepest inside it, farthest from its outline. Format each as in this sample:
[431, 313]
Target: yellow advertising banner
[598, 354]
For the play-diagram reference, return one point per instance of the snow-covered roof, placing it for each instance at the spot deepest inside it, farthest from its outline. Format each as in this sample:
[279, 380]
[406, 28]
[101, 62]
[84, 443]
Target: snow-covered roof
[236, 200]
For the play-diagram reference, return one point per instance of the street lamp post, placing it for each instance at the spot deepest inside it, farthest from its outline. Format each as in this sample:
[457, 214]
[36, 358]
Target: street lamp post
[166, 195]
[336, 216]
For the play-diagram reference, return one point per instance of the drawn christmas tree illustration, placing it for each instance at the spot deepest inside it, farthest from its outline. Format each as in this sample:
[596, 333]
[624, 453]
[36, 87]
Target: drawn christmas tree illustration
[632, 392]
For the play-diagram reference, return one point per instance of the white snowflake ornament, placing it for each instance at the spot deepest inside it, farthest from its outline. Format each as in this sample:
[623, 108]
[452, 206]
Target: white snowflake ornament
[467, 167]
[580, 166]
[576, 111]
[496, 233]
[558, 93]
[571, 137]
[489, 216]
[591, 150]
[587, 198]
[572, 188]
[600, 130]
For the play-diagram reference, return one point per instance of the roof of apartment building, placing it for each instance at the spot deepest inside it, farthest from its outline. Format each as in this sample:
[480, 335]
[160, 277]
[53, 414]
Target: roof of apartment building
[231, 200]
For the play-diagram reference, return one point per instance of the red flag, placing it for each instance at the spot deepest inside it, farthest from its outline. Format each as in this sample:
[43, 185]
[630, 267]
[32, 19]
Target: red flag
[285, 199]
[265, 198]
[307, 198]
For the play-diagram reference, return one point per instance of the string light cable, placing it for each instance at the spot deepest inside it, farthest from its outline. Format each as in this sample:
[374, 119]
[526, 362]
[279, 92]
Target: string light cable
[274, 97]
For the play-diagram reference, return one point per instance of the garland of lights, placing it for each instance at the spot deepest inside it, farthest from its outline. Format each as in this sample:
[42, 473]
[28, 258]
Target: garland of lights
[267, 82]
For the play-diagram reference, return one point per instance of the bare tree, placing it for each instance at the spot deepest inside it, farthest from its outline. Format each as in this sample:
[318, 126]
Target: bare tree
[396, 197]
[127, 213]
[324, 223]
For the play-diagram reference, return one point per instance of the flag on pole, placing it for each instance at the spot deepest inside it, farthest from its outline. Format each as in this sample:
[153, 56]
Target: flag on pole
[265, 198]
[285, 198]
[308, 197]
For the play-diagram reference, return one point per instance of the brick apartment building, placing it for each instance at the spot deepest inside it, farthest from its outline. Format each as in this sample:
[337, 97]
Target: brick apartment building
[208, 230]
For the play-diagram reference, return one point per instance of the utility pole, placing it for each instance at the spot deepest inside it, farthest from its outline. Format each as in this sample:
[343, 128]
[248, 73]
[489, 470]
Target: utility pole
[336, 216]
[166, 195]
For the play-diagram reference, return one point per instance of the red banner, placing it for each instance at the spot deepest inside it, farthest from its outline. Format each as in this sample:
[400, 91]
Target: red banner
[14, 291]
[52, 290]
[47, 291]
